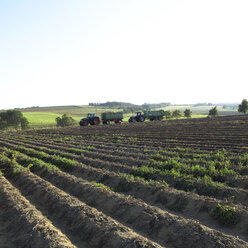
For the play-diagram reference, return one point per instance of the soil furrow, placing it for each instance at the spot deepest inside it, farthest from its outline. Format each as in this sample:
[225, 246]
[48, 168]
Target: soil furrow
[24, 225]
[240, 195]
[188, 205]
[82, 221]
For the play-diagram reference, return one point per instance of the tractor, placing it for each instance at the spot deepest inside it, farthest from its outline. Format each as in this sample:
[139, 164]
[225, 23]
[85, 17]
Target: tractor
[151, 115]
[139, 117]
[91, 119]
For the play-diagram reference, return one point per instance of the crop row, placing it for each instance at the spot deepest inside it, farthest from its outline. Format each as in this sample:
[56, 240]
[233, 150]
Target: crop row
[168, 167]
[78, 220]
[166, 228]
[219, 159]
[164, 196]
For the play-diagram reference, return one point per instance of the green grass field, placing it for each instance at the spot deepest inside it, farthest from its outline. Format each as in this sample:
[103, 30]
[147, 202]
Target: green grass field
[45, 117]
[41, 119]
[202, 110]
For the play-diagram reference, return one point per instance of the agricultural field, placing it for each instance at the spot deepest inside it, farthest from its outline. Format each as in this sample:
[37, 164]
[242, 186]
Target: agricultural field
[175, 183]
[45, 116]
[202, 111]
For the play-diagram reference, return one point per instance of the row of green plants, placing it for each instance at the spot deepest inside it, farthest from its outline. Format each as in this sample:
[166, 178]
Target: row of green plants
[218, 171]
[201, 185]
[26, 157]
[175, 151]
[61, 162]
[220, 159]
[9, 166]
[224, 214]
[204, 185]
[220, 165]
[172, 170]
[196, 171]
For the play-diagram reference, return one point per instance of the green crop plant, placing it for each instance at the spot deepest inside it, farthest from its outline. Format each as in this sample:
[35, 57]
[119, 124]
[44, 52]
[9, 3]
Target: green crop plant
[198, 167]
[63, 163]
[198, 171]
[221, 155]
[130, 178]
[225, 214]
[30, 162]
[102, 186]
[68, 139]
[10, 167]
[89, 148]
[116, 137]
[76, 151]
[145, 172]
[100, 137]
[164, 183]
[30, 166]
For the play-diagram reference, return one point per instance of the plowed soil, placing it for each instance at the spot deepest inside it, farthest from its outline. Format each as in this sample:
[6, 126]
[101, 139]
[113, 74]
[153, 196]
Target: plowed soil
[129, 185]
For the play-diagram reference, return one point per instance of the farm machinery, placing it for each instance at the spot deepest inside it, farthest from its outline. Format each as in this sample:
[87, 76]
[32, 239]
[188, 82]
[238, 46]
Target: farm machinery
[116, 117]
[106, 117]
[91, 119]
[152, 115]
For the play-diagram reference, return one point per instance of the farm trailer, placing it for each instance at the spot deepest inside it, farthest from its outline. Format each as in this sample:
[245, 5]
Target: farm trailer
[112, 116]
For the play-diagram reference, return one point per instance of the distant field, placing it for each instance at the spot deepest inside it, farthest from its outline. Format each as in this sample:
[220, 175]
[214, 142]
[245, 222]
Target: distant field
[43, 119]
[45, 116]
[79, 111]
[202, 110]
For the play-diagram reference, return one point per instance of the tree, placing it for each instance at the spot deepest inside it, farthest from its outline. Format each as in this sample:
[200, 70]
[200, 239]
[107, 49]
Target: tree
[213, 111]
[3, 124]
[187, 113]
[65, 121]
[24, 123]
[13, 118]
[243, 107]
[167, 114]
[176, 114]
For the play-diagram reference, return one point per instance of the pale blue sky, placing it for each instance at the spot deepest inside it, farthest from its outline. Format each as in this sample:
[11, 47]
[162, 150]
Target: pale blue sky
[76, 52]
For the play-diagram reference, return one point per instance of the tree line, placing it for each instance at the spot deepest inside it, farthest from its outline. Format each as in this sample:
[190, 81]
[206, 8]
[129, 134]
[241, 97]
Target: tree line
[126, 105]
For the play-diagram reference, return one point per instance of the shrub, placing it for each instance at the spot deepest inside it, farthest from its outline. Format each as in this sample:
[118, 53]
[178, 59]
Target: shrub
[176, 114]
[24, 123]
[167, 114]
[187, 113]
[225, 214]
[243, 107]
[65, 121]
[213, 111]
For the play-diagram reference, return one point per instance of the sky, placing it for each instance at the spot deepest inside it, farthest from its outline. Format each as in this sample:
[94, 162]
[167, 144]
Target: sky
[61, 52]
